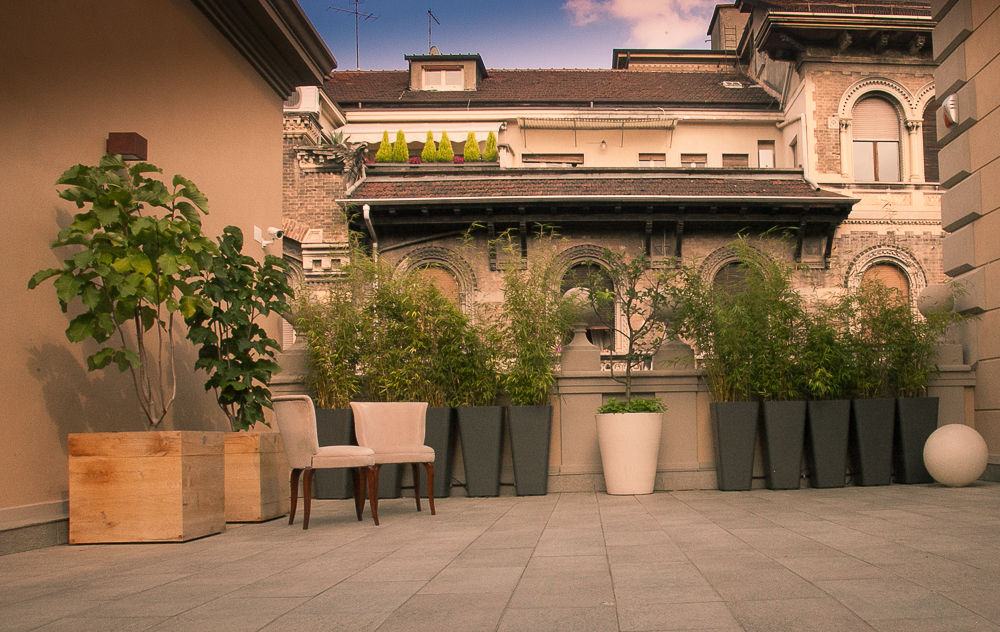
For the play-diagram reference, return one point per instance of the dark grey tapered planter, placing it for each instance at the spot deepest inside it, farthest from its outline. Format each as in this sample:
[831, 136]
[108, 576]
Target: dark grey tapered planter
[530, 428]
[390, 480]
[481, 429]
[827, 424]
[334, 426]
[784, 428]
[440, 435]
[870, 444]
[735, 425]
[916, 419]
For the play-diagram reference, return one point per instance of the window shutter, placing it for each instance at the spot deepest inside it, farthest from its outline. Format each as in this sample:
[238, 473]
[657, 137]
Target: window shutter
[875, 119]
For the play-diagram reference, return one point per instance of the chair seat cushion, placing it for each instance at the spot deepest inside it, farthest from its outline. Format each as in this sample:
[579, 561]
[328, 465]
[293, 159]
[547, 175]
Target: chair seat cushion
[405, 454]
[343, 456]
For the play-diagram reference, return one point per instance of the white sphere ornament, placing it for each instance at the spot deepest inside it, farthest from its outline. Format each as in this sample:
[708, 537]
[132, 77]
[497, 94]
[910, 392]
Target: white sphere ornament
[955, 455]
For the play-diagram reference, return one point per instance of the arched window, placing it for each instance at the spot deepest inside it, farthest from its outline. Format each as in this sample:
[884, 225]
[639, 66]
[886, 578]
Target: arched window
[587, 275]
[731, 277]
[442, 279]
[890, 276]
[930, 143]
[876, 141]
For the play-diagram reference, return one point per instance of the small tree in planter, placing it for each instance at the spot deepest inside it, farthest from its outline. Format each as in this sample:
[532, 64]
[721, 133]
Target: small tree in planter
[400, 151]
[137, 250]
[471, 151]
[629, 432]
[535, 318]
[446, 153]
[430, 152]
[490, 153]
[384, 153]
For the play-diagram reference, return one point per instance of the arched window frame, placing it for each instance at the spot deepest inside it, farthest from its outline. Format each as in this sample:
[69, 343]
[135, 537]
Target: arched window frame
[584, 255]
[882, 254]
[908, 107]
[450, 261]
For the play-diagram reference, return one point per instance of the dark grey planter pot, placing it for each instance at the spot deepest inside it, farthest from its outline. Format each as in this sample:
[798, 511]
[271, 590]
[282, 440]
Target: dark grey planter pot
[481, 429]
[530, 429]
[735, 425]
[334, 426]
[870, 443]
[827, 425]
[916, 419]
[784, 429]
[390, 480]
[440, 435]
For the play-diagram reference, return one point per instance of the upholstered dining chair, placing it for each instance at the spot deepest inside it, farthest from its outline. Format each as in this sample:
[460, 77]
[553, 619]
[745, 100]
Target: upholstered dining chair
[296, 418]
[395, 431]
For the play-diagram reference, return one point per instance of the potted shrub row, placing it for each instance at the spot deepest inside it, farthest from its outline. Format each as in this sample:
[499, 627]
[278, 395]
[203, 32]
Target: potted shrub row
[442, 151]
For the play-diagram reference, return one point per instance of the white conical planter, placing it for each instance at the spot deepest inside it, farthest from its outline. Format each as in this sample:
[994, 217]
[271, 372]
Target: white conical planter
[630, 448]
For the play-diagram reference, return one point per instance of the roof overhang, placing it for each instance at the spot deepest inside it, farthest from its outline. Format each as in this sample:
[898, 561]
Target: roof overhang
[784, 35]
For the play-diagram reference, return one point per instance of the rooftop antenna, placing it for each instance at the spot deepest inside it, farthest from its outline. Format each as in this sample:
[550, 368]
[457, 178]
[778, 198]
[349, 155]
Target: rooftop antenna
[357, 14]
[430, 16]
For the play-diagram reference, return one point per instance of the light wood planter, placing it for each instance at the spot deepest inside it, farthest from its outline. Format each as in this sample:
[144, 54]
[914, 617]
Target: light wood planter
[162, 486]
[256, 477]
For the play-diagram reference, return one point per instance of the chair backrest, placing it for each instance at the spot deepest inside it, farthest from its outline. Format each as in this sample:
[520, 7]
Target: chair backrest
[382, 425]
[296, 418]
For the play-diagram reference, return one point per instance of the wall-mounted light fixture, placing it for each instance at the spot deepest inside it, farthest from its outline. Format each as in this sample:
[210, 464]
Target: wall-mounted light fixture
[130, 145]
[604, 144]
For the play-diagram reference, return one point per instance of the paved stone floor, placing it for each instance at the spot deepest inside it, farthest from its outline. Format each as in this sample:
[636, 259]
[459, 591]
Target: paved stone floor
[900, 558]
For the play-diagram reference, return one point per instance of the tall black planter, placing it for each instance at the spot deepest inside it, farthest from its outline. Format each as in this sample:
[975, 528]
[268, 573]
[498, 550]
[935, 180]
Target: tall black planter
[530, 428]
[440, 435]
[827, 425]
[735, 426]
[481, 429]
[334, 426]
[871, 440]
[916, 419]
[784, 429]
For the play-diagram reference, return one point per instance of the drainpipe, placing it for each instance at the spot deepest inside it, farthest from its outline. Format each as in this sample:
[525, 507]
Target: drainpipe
[367, 214]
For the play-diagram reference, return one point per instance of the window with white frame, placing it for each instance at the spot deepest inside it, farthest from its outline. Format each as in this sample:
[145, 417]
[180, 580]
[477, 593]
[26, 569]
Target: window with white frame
[765, 154]
[876, 131]
[652, 160]
[443, 78]
[694, 160]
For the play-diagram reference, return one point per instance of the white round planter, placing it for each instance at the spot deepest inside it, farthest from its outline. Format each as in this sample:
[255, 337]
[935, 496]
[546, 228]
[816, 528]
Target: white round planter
[630, 448]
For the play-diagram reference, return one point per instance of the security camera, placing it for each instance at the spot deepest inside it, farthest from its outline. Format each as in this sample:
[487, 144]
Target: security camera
[275, 233]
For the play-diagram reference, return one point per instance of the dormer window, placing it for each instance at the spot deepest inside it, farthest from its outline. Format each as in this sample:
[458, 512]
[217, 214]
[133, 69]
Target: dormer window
[443, 78]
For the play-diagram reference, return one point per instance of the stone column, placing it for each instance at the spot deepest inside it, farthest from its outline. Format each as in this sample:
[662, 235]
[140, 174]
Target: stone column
[916, 150]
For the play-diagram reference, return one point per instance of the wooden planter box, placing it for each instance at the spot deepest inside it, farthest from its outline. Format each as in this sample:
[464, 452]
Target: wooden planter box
[163, 486]
[256, 477]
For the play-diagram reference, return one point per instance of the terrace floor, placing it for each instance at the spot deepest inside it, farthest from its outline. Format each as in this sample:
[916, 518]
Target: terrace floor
[899, 558]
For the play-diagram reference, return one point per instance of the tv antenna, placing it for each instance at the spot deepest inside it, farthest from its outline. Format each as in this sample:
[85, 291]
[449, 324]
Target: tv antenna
[357, 14]
[430, 16]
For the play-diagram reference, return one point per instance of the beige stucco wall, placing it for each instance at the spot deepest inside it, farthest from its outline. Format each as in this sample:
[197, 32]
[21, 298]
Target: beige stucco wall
[72, 72]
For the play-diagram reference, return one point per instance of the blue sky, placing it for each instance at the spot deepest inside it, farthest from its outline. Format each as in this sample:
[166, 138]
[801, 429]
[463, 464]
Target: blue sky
[511, 33]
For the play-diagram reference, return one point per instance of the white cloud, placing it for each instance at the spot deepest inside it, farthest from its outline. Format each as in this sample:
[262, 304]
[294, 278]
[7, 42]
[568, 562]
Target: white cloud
[652, 23]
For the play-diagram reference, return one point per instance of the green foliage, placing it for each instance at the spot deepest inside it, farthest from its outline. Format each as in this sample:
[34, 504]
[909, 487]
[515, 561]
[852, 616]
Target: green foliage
[400, 152]
[534, 317]
[430, 152]
[641, 295]
[826, 360]
[471, 151]
[385, 149]
[490, 153]
[635, 405]
[234, 349]
[134, 254]
[446, 153]
[329, 325]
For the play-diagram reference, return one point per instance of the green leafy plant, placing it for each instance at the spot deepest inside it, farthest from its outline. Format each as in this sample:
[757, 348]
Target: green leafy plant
[385, 149]
[134, 253]
[446, 153]
[400, 152]
[490, 153]
[430, 152]
[635, 405]
[641, 296]
[329, 324]
[534, 319]
[471, 150]
[234, 349]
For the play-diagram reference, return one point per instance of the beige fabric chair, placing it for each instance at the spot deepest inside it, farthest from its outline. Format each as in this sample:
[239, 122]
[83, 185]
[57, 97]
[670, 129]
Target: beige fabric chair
[395, 431]
[296, 418]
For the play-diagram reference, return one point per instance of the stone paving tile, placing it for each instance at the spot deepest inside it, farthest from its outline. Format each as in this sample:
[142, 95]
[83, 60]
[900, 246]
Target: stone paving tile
[598, 619]
[891, 598]
[104, 624]
[677, 616]
[466, 581]
[799, 615]
[677, 582]
[956, 624]
[444, 612]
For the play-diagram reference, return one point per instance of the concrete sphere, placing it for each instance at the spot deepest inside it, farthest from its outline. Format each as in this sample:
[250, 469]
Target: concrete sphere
[955, 455]
[936, 298]
[583, 312]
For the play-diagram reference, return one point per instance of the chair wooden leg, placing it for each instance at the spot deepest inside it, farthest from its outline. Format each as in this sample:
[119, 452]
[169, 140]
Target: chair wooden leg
[307, 496]
[359, 491]
[416, 483]
[373, 491]
[430, 485]
[294, 496]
